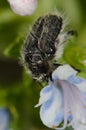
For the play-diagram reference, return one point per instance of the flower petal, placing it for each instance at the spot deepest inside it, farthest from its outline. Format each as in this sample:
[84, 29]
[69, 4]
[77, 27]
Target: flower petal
[23, 7]
[4, 119]
[76, 104]
[63, 72]
[51, 112]
[78, 81]
[64, 100]
[45, 94]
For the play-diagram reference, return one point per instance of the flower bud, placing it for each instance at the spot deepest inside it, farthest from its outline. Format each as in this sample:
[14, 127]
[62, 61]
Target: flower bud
[23, 7]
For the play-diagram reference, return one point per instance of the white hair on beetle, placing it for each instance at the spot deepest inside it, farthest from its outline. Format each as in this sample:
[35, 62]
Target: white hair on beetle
[63, 36]
[23, 7]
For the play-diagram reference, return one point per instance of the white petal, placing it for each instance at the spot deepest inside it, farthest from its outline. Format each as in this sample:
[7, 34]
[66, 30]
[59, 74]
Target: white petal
[63, 72]
[51, 112]
[84, 95]
[23, 7]
[77, 104]
[45, 94]
[82, 86]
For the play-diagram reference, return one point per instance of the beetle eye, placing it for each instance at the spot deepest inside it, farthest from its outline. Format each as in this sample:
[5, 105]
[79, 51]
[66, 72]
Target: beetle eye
[50, 53]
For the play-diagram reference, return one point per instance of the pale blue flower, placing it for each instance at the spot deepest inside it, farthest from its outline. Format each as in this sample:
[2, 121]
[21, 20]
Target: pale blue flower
[64, 100]
[4, 118]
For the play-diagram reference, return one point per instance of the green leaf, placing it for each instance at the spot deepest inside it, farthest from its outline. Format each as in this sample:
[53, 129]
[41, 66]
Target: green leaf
[76, 56]
[13, 50]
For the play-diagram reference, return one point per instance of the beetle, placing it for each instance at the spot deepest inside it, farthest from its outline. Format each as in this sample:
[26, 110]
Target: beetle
[44, 45]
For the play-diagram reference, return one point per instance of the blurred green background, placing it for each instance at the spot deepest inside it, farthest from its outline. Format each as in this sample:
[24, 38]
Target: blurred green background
[18, 91]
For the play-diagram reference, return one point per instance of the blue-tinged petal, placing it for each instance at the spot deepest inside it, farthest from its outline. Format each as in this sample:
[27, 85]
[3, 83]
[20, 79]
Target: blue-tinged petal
[59, 117]
[70, 117]
[4, 118]
[84, 95]
[76, 105]
[45, 94]
[78, 81]
[46, 90]
[47, 104]
[75, 79]
[51, 112]
[63, 72]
